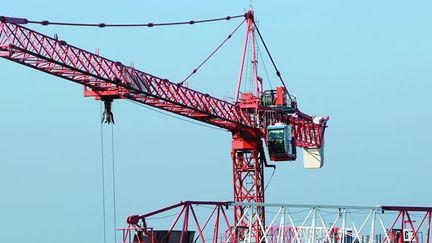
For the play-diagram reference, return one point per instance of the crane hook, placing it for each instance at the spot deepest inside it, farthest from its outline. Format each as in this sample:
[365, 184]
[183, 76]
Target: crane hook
[107, 116]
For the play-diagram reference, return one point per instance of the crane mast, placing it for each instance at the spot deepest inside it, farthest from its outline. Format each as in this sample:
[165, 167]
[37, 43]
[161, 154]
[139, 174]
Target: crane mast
[248, 118]
[247, 153]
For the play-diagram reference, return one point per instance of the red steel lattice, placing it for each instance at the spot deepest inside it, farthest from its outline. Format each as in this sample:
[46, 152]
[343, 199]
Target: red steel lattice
[106, 79]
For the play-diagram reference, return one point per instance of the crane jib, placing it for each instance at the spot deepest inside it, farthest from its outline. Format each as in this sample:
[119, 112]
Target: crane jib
[255, 119]
[27, 47]
[104, 77]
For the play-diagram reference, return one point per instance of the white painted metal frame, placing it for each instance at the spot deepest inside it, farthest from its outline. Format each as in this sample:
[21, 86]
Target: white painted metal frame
[319, 223]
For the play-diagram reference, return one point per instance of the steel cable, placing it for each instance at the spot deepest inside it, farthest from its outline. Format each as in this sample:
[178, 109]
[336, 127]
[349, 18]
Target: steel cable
[273, 62]
[150, 24]
[103, 176]
[217, 49]
[113, 182]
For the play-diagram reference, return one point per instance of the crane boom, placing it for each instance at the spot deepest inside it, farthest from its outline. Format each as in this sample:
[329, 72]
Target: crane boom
[106, 78]
[109, 78]
[251, 119]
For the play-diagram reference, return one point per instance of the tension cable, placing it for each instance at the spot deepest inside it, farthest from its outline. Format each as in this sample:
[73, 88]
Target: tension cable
[271, 59]
[217, 49]
[104, 25]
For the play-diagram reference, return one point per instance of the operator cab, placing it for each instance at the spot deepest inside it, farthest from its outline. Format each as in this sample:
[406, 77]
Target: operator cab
[280, 144]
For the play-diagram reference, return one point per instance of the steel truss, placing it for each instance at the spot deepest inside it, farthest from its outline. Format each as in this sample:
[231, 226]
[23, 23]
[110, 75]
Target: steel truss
[248, 178]
[107, 80]
[288, 223]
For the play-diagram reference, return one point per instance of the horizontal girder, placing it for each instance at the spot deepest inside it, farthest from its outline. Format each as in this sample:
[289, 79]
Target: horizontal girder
[58, 58]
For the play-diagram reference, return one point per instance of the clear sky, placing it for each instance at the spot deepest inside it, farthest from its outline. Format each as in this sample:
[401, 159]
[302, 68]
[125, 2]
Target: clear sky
[367, 64]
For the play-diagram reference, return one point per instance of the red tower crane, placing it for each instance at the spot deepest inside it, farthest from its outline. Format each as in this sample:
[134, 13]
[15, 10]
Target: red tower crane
[254, 118]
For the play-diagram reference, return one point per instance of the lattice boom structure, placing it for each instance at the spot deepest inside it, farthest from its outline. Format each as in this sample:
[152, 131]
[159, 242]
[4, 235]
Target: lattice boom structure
[248, 118]
[107, 78]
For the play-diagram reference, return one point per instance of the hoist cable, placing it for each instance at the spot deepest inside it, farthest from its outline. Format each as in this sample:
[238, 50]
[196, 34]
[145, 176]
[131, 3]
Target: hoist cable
[103, 176]
[273, 62]
[103, 179]
[217, 49]
[104, 25]
[113, 182]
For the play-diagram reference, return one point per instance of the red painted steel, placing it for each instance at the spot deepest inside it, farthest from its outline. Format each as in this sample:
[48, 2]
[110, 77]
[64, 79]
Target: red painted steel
[406, 222]
[137, 224]
[248, 179]
[247, 154]
[105, 79]
[280, 96]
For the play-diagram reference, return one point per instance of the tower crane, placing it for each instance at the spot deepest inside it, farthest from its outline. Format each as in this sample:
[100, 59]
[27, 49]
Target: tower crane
[257, 118]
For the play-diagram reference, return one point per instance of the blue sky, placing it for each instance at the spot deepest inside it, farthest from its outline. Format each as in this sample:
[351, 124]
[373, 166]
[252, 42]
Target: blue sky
[366, 64]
